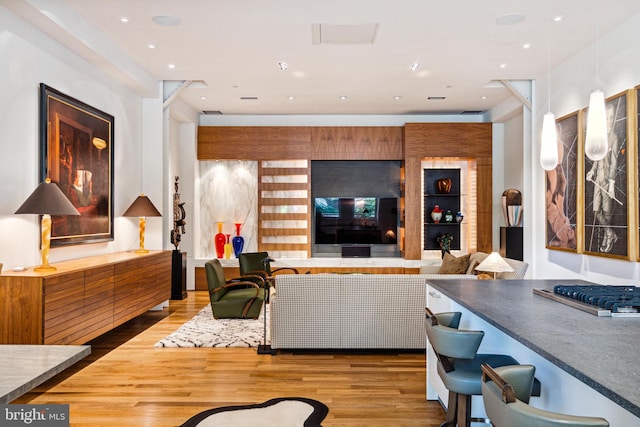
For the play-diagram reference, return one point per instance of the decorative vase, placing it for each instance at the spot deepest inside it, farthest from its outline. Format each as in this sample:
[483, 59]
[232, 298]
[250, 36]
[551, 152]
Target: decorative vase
[219, 241]
[227, 247]
[448, 216]
[459, 217]
[237, 241]
[443, 185]
[436, 214]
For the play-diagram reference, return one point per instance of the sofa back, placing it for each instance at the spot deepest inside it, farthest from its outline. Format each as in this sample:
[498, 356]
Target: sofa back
[356, 311]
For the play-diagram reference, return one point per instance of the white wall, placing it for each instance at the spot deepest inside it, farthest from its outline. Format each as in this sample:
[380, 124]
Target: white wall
[571, 83]
[29, 58]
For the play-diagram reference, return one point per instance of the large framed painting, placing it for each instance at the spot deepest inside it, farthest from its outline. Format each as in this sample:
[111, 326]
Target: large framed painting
[606, 219]
[76, 152]
[562, 188]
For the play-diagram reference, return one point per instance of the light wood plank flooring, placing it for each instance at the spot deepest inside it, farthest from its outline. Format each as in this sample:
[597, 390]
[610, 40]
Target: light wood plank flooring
[128, 382]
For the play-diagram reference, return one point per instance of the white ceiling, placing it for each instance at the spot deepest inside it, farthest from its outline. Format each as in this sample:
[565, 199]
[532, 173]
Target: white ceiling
[234, 46]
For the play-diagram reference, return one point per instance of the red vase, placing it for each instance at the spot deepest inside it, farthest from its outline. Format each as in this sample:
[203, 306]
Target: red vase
[219, 241]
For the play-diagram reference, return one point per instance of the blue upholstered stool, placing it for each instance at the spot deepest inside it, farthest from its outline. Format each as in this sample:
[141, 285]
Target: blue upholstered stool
[459, 364]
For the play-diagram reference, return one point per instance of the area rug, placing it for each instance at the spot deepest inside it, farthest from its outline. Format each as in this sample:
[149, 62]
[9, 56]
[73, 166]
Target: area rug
[205, 331]
[281, 412]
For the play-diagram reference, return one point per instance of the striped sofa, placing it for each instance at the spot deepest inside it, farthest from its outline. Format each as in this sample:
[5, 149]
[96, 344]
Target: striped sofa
[348, 311]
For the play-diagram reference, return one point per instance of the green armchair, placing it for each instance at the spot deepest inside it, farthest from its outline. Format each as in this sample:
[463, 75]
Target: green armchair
[259, 263]
[237, 298]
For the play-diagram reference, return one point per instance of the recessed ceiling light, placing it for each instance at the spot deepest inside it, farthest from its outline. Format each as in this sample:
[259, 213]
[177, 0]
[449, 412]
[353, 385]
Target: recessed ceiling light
[510, 19]
[291, 98]
[397, 97]
[203, 97]
[483, 97]
[343, 98]
[526, 45]
[502, 65]
[558, 18]
[172, 66]
[124, 19]
[414, 66]
[283, 66]
[151, 46]
[166, 20]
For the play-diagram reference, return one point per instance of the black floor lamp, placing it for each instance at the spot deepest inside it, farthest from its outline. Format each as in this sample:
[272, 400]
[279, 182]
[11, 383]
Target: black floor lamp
[265, 348]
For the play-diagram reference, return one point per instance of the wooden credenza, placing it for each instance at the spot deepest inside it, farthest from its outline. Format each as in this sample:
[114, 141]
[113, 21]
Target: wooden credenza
[83, 298]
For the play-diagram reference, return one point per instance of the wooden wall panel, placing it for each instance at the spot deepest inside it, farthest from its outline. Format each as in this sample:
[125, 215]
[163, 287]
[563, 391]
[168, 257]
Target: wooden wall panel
[461, 140]
[356, 143]
[447, 140]
[485, 204]
[254, 142]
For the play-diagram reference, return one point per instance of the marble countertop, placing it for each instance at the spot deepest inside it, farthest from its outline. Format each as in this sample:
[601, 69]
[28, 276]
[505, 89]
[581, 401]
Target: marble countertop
[24, 367]
[335, 262]
[602, 352]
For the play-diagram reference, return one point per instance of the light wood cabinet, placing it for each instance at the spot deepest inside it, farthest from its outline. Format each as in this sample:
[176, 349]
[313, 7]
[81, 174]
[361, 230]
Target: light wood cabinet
[83, 298]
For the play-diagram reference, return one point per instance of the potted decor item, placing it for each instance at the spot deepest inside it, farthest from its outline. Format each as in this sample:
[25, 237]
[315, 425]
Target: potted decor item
[448, 216]
[459, 217]
[444, 185]
[237, 241]
[436, 214]
[219, 241]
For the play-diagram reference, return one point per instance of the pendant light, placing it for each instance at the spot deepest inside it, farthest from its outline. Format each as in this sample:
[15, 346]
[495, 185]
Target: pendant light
[596, 143]
[549, 136]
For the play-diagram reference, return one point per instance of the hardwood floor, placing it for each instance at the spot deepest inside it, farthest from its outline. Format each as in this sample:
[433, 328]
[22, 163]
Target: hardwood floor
[127, 382]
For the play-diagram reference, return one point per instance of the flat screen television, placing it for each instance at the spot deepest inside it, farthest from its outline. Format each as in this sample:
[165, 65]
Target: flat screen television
[355, 220]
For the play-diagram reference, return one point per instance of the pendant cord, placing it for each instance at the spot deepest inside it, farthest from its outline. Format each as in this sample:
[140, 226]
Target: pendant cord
[597, 11]
[548, 56]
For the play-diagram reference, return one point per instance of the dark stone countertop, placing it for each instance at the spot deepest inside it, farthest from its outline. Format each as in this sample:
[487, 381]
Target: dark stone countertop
[602, 352]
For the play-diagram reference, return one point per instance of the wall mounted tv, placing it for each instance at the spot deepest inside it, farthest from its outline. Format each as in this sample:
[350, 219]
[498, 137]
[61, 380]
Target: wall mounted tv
[356, 221]
[355, 203]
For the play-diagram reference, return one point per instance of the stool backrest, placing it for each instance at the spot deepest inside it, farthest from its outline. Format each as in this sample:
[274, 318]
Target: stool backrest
[448, 341]
[505, 409]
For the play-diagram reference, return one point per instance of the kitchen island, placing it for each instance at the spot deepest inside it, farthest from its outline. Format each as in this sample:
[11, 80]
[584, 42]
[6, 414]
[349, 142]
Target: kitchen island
[588, 365]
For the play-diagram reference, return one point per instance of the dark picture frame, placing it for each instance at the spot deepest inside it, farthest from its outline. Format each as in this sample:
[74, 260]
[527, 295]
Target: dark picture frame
[606, 219]
[76, 153]
[561, 186]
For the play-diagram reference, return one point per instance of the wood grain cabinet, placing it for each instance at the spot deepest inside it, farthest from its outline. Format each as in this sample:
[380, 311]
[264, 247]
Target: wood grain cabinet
[83, 298]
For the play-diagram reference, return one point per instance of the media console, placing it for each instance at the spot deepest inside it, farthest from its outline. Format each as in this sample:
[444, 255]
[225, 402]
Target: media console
[83, 298]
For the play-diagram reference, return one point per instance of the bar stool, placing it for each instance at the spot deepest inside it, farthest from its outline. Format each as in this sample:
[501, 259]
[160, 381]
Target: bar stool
[459, 364]
[505, 396]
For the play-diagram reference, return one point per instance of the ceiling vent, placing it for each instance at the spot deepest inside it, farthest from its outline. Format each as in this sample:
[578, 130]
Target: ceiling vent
[471, 112]
[344, 34]
[436, 98]
[211, 112]
[249, 98]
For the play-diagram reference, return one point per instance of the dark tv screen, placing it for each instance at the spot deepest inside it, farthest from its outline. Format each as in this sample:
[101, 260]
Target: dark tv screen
[356, 220]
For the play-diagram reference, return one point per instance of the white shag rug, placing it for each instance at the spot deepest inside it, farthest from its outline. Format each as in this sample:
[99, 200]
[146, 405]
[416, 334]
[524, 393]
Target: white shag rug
[205, 331]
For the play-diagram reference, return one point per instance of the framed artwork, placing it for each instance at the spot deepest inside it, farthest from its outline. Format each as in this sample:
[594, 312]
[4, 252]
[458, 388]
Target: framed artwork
[562, 188]
[606, 220]
[76, 152]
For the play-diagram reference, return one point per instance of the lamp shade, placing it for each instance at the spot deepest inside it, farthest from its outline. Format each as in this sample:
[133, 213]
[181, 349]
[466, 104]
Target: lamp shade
[596, 141]
[549, 143]
[142, 206]
[47, 198]
[494, 263]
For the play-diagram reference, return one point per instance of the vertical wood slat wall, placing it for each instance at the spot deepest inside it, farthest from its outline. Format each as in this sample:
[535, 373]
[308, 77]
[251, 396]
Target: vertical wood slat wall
[409, 143]
[284, 220]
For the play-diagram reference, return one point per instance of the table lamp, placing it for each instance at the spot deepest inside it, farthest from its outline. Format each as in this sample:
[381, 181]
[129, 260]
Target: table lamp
[142, 207]
[46, 200]
[494, 263]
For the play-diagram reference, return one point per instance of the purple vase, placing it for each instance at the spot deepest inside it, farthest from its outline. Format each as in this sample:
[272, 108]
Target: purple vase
[237, 241]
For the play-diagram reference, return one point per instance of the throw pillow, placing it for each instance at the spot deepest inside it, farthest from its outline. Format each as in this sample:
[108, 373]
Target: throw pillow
[454, 265]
